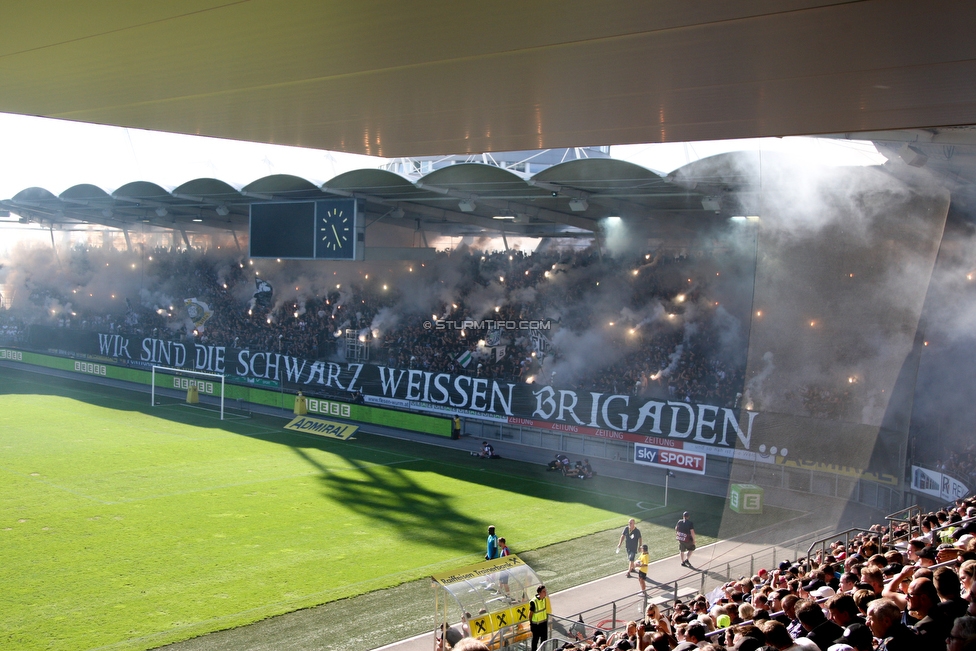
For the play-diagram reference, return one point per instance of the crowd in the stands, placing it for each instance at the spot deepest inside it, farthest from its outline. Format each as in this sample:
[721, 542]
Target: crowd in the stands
[960, 464]
[647, 321]
[904, 588]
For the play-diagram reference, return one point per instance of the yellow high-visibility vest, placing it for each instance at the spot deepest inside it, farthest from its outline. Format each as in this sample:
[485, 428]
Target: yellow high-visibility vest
[541, 612]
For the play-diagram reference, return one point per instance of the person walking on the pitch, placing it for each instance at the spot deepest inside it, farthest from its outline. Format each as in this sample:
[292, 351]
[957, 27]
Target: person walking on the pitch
[685, 533]
[539, 616]
[491, 548]
[632, 536]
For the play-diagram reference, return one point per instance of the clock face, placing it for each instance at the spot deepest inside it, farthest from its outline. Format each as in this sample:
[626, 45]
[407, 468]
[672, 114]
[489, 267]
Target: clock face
[335, 230]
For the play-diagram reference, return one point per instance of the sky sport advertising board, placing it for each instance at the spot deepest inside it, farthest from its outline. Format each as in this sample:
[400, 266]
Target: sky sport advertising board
[669, 459]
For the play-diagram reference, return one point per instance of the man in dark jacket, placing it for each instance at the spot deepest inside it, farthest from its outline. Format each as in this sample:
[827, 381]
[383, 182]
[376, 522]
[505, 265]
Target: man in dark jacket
[932, 627]
[884, 620]
[820, 630]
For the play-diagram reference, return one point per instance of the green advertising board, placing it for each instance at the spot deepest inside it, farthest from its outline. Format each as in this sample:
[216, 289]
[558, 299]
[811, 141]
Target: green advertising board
[436, 425]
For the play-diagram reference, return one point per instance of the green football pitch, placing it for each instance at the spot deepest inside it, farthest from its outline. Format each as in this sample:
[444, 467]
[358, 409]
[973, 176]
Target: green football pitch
[126, 527]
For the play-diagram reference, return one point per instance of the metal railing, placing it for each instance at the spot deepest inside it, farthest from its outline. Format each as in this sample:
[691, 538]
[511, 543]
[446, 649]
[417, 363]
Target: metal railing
[847, 535]
[911, 516]
[614, 615]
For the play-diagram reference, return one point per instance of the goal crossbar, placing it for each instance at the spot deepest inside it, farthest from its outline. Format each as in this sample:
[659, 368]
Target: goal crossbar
[168, 370]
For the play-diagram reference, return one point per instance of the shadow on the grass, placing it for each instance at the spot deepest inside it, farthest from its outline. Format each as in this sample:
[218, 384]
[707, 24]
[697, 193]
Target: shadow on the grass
[381, 487]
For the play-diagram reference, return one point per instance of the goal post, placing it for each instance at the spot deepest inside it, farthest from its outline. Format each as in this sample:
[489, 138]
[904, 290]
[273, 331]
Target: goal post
[183, 379]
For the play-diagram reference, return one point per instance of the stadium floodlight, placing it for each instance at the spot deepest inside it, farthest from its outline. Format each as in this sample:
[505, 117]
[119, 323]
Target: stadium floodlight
[222, 210]
[161, 212]
[578, 205]
[467, 205]
[181, 382]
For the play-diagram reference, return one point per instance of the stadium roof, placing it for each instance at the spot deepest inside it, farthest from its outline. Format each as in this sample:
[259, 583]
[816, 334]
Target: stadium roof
[566, 199]
[457, 197]
[412, 79]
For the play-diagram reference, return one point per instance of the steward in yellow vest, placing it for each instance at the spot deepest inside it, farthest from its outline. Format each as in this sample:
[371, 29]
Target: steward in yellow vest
[539, 609]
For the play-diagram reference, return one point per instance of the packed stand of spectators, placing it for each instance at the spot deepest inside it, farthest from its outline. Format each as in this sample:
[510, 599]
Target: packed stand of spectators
[12, 330]
[884, 591]
[665, 356]
[960, 464]
[652, 315]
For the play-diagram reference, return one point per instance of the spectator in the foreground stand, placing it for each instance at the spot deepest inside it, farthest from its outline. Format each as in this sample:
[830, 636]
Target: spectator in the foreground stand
[694, 635]
[818, 628]
[777, 637]
[794, 627]
[843, 611]
[963, 634]
[848, 581]
[873, 577]
[884, 620]
[967, 571]
[932, 629]
[858, 637]
[947, 584]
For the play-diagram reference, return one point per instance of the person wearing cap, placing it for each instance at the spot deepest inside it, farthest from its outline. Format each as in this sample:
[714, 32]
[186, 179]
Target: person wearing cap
[926, 557]
[823, 592]
[539, 609]
[685, 533]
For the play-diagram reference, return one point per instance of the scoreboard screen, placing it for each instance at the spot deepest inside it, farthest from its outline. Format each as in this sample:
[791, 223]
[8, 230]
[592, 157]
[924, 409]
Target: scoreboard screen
[282, 230]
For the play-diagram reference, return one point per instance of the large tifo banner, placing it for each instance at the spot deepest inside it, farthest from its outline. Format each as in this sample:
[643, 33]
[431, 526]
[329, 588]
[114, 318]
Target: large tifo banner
[938, 485]
[665, 425]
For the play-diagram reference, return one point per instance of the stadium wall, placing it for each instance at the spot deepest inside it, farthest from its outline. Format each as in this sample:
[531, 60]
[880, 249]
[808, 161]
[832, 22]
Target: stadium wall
[243, 394]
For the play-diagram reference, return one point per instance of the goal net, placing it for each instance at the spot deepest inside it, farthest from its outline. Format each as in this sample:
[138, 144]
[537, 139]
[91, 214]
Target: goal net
[193, 388]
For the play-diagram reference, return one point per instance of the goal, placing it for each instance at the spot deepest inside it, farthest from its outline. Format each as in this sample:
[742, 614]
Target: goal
[172, 381]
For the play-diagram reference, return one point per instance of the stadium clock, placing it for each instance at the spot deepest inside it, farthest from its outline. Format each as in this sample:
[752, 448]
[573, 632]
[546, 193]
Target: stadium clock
[336, 230]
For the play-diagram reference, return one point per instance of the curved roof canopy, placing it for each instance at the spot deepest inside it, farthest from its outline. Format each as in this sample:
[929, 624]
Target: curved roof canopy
[468, 198]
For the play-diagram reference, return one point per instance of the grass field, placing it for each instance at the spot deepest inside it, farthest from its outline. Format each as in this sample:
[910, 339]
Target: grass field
[128, 527]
